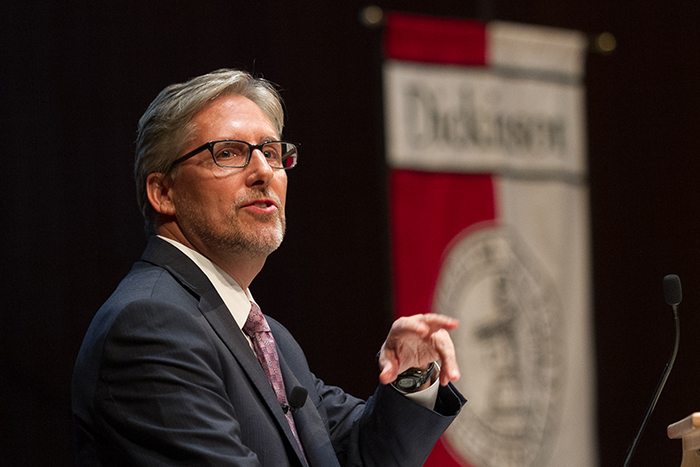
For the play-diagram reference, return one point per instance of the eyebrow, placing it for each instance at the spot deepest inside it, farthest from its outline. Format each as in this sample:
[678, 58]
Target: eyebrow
[264, 139]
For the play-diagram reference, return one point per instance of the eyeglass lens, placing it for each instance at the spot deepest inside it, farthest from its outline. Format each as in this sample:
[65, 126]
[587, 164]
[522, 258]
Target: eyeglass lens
[235, 154]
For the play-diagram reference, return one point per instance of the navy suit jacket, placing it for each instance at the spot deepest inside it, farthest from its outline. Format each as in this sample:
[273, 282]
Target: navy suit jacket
[165, 377]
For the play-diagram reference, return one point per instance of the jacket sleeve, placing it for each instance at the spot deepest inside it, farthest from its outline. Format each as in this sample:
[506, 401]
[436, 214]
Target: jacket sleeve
[387, 430]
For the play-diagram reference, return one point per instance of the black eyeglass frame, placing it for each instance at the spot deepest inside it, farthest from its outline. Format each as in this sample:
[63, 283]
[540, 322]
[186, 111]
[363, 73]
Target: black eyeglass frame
[251, 147]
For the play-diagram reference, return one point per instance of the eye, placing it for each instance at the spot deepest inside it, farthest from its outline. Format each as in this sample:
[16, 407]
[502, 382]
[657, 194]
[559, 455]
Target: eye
[228, 151]
[273, 151]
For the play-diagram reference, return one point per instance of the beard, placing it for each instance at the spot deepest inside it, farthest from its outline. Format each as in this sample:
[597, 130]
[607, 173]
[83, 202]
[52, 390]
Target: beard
[258, 237]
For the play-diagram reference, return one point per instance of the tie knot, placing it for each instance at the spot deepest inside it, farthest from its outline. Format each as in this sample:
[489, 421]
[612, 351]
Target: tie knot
[256, 322]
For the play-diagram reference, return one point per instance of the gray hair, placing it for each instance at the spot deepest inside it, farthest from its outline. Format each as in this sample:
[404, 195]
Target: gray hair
[164, 129]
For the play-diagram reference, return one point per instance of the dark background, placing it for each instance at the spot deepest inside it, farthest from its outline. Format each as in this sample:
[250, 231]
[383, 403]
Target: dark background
[76, 76]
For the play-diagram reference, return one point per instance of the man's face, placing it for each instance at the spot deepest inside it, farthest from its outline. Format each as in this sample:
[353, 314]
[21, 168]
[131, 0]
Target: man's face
[230, 210]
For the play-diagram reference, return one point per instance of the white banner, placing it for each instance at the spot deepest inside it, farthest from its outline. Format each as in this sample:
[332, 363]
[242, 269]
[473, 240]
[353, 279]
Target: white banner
[519, 279]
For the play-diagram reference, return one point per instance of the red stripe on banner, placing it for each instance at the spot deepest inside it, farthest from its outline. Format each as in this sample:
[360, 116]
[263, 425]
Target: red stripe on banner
[440, 457]
[435, 40]
[427, 211]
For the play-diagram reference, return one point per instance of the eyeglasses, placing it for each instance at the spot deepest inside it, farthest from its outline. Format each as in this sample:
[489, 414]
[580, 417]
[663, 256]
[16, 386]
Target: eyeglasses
[234, 154]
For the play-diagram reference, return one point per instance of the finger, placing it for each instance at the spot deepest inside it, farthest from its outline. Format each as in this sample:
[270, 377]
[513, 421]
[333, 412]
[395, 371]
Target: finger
[436, 321]
[410, 324]
[423, 324]
[449, 370]
[388, 374]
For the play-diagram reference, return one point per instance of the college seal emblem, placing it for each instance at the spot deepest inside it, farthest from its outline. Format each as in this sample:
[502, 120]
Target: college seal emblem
[509, 344]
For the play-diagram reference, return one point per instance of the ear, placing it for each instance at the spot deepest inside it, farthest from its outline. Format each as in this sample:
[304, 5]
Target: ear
[158, 189]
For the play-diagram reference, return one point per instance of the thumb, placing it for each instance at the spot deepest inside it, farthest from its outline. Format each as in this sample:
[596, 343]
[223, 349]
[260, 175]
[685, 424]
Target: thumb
[389, 371]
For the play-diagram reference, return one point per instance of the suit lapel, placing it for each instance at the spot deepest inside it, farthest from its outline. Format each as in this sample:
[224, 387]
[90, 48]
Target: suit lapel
[211, 306]
[226, 328]
[310, 427]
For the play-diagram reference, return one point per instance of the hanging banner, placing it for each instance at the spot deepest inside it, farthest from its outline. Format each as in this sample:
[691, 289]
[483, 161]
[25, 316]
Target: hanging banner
[485, 129]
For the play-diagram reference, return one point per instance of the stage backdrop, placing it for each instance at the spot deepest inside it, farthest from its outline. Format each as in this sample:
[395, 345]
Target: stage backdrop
[489, 210]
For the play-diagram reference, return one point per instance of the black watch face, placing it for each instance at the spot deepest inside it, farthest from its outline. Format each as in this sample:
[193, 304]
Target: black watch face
[408, 383]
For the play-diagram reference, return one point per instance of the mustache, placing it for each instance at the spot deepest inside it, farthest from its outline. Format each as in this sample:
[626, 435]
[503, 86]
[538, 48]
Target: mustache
[254, 195]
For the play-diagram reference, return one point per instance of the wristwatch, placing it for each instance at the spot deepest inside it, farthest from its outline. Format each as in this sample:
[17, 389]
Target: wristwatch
[412, 379]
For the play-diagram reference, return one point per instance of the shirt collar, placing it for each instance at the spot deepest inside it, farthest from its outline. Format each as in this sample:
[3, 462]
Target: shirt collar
[234, 297]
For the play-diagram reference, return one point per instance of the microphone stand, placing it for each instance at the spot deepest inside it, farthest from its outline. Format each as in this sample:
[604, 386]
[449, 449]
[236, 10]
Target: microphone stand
[659, 387]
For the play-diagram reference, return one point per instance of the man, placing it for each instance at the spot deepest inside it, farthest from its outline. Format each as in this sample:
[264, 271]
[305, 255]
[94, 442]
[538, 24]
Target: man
[179, 366]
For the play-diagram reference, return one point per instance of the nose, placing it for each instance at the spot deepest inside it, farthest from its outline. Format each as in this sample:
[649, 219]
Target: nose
[258, 171]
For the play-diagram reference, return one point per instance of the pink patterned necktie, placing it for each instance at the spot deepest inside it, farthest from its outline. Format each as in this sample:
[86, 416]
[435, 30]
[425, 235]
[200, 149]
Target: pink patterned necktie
[258, 330]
